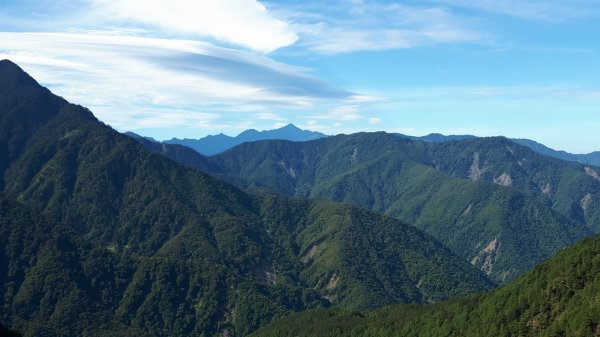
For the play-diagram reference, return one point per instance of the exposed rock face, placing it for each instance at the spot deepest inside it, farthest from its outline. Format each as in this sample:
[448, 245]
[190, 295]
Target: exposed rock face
[590, 172]
[311, 254]
[353, 157]
[586, 201]
[546, 189]
[467, 211]
[333, 282]
[476, 172]
[510, 149]
[488, 255]
[289, 170]
[504, 180]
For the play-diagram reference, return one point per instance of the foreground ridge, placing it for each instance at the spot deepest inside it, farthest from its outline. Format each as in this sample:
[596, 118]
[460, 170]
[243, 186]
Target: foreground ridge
[557, 298]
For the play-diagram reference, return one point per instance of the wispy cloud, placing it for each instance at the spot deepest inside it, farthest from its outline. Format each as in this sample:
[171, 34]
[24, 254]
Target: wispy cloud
[271, 117]
[350, 26]
[546, 10]
[108, 72]
[346, 113]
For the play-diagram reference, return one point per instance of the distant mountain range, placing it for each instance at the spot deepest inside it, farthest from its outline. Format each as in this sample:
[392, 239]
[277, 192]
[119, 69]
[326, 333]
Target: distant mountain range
[212, 145]
[215, 144]
[592, 158]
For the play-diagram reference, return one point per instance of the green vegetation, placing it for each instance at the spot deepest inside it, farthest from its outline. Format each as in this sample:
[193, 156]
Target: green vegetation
[100, 237]
[503, 230]
[558, 298]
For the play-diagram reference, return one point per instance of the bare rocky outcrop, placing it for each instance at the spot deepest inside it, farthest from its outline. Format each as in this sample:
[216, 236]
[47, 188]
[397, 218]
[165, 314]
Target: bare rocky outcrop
[546, 189]
[289, 170]
[476, 172]
[311, 254]
[353, 157]
[467, 210]
[592, 173]
[486, 258]
[510, 149]
[333, 282]
[586, 201]
[504, 180]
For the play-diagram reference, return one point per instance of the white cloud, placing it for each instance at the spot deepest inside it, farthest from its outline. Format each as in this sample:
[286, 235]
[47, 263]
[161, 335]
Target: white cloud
[374, 120]
[246, 23]
[375, 26]
[122, 77]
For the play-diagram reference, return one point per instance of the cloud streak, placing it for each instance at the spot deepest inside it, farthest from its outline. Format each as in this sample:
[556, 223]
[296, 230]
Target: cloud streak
[109, 72]
[352, 26]
[544, 10]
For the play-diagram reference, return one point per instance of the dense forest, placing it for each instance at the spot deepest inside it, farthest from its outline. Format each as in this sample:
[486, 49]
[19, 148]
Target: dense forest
[457, 191]
[99, 236]
[557, 298]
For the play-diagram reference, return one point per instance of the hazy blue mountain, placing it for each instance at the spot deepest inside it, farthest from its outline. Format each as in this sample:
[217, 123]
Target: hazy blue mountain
[215, 144]
[592, 158]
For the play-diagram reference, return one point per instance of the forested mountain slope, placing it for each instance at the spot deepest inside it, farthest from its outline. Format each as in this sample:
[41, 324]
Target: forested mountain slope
[452, 190]
[100, 236]
[557, 298]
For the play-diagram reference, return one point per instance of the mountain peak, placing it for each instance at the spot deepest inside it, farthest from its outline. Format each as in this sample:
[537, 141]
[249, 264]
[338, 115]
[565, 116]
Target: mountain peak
[12, 74]
[290, 126]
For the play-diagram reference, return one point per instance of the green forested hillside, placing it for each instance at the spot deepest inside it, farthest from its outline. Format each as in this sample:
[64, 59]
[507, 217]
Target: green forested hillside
[503, 230]
[569, 188]
[558, 298]
[102, 237]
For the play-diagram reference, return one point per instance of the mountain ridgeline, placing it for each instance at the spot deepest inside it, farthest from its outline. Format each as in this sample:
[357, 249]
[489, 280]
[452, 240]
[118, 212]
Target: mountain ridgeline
[557, 298]
[214, 144]
[592, 158]
[501, 206]
[100, 236]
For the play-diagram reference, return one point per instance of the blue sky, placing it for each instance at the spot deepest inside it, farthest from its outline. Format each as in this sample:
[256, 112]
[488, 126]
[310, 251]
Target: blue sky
[183, 68]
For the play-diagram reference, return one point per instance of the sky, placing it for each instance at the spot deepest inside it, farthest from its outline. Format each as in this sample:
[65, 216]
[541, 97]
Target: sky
[187, 69]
